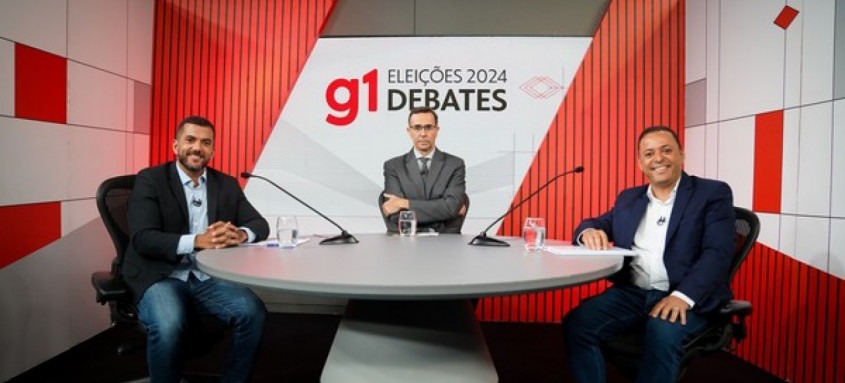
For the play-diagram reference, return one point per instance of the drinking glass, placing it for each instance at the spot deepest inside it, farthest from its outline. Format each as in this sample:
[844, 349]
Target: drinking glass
[407, 223]
[534, 232]
[287, 232]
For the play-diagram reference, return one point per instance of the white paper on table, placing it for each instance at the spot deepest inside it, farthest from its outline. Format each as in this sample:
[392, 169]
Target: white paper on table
[275, 242]
[580, 251]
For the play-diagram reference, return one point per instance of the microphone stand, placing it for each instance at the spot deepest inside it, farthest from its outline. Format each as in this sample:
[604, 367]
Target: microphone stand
[483, 240]
[342, 239]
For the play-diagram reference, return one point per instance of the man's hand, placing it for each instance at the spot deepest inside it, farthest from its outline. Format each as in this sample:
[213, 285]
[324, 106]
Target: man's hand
[393, 204]
[670, 308]
[595, 239]
[219, 235]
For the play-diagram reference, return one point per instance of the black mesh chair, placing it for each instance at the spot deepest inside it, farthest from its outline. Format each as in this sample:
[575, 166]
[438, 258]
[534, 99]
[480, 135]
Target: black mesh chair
[112, 203]
[625, 350]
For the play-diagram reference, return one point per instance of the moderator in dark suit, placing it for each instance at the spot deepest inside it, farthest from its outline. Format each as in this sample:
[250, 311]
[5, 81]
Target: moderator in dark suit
[437, 206]
[158, 218]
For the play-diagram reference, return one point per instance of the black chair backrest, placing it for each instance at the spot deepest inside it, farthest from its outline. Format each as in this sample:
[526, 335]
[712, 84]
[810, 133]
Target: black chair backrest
[112, 203]
[747, 230]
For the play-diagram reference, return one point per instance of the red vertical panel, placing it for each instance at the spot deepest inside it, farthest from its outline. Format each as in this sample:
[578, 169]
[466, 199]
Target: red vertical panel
[27, 228]
[233, 62]
[40, 85]
[768, 161]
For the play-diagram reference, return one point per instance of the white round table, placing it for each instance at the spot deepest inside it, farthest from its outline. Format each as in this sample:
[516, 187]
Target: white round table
[409, 318]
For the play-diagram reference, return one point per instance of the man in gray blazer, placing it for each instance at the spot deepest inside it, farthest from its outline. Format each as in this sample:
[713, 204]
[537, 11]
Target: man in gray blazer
[426, 180]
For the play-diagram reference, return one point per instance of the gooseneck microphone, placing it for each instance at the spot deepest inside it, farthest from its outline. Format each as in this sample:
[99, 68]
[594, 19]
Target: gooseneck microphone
[343, 238]
[483, 240]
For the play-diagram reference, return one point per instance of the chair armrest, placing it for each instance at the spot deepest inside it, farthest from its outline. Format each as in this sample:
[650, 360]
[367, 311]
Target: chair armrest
[109, 288]
[736, 308]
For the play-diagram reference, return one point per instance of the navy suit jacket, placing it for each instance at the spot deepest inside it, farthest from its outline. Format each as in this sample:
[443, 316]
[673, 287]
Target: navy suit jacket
[437, 206]
[158, 217]
[699, 239]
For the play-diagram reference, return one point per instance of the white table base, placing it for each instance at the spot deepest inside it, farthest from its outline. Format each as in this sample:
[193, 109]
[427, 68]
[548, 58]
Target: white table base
[409, 341]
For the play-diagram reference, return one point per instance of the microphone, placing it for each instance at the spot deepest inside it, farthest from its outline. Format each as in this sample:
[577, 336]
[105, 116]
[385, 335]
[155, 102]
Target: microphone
[341, 239]
[483, 240]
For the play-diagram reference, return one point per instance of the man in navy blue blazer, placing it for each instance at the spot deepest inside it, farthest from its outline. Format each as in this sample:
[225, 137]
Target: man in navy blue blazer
[682, 229]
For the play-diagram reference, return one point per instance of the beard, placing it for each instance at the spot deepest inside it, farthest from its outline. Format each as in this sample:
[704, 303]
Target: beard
[183, 159]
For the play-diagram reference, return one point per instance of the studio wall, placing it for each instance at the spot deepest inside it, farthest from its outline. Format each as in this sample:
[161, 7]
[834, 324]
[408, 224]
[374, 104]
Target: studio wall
[94, 88]
[75, 86]
[764, 113]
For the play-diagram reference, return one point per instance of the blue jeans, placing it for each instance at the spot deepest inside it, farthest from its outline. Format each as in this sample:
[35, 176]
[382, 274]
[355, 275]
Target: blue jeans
[618, 308]
[166, 309]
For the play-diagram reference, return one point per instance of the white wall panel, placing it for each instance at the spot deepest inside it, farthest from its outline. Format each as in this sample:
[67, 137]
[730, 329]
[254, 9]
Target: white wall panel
[769, 229]
[47, 302]
[713, 22]
[736, 158]
[7, 78]
[837, 203]
[96, 98]
[97, 33]
[37, 23]
[695, 145]
[817, 50]
[750, 83]
[78, 213]
[793, 59]
[812, 241]
[814, 155]
[95, 154]
[40, 151]
[788, 234]
[140, 153]
[837, 248]
[789, 180]
[711, 161]
[140, 44]
[696, 40]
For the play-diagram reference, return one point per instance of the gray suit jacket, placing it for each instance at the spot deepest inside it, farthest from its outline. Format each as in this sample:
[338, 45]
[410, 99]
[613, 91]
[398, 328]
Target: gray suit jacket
[437, 206]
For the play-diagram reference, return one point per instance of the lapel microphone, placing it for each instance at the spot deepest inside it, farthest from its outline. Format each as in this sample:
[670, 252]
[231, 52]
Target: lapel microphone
[196, 201]
[661, 221]
[483, 240]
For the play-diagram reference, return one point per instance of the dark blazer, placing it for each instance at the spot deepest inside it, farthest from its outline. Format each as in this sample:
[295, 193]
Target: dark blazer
[438, 206]
[158, 217]
[699, 239]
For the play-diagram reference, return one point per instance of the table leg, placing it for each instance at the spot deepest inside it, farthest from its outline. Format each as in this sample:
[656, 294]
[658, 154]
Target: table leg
[409, 341]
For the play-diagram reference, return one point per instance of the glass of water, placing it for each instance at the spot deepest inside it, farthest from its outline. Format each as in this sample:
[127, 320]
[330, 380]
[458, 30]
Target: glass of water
[287, 232]
[534, 233]
[407, 223]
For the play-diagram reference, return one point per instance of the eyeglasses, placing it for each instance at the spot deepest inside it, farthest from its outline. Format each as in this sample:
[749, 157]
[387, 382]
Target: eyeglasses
[420, 128]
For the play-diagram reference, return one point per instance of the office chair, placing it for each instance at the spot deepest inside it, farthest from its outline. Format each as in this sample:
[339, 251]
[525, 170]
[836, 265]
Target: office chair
[112, 203]
[625, 350]
[450, 227]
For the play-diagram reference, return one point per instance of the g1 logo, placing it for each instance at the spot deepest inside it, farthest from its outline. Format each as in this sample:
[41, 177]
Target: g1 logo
[347, 110]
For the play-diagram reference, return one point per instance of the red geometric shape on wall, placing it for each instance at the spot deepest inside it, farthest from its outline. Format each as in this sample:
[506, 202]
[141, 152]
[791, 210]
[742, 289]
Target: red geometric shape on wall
[40, 85]
[27, 228]
[786, 16]
[768, 162]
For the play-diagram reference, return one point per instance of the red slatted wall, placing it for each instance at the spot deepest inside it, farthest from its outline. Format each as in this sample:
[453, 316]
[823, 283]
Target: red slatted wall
[632, 77]
[234, 62]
